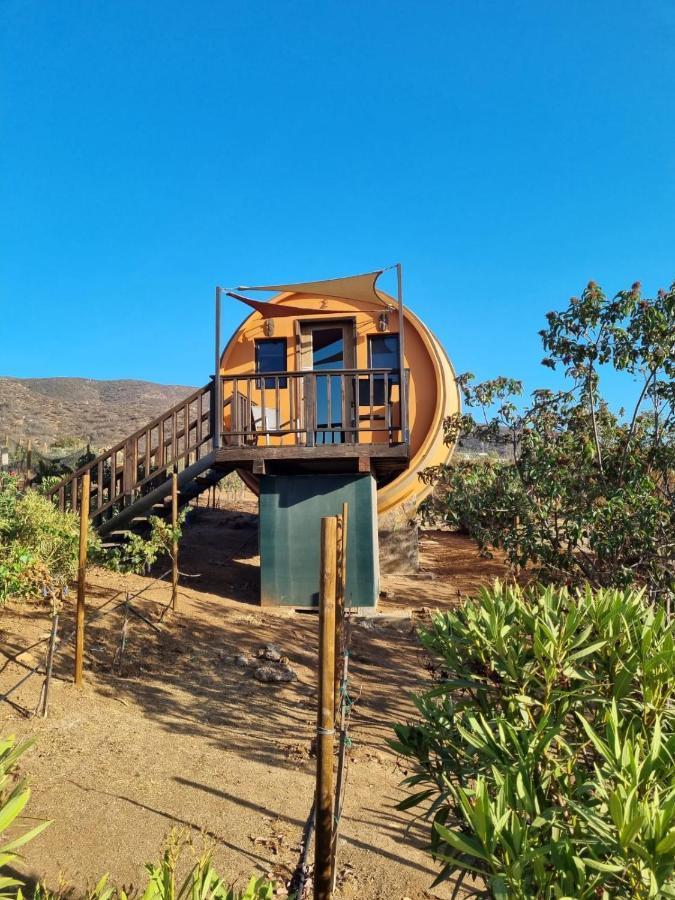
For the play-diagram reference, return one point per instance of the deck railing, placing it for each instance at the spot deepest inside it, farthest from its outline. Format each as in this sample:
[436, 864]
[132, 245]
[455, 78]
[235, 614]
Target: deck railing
[330, 406]
[302, 409]
[134, 466]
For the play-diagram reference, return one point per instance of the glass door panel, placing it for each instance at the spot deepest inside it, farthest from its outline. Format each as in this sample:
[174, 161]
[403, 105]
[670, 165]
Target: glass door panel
[328, 353]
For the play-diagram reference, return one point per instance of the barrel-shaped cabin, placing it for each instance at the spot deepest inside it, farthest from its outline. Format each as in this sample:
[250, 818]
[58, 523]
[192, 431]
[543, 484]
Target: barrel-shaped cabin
[330, 377]
[331, 392]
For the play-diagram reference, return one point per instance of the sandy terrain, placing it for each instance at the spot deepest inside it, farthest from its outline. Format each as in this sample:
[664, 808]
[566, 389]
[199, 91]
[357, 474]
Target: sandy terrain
[182, 737]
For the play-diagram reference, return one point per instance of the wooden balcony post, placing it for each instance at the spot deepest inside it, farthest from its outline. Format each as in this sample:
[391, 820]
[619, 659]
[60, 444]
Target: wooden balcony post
[310, 408]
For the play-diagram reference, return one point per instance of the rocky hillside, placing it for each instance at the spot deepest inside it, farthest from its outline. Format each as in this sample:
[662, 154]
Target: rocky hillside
[75, 411]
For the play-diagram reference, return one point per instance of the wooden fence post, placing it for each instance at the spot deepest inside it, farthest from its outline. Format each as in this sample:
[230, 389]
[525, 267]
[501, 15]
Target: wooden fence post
[174, 545]
[81, 576]
[341, 670]
[326, 712]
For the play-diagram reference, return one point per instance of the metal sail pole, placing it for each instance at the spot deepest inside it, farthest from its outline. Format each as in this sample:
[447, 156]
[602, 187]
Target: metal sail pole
[217, 383]
[403, 387]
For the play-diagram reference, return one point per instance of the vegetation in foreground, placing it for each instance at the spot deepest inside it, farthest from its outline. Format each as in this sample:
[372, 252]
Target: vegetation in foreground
[201, 883]
[39, 545]
[544, 755]
[588, 494]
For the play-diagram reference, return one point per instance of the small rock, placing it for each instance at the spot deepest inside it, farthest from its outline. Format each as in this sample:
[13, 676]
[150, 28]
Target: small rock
[270, 652]
[242, 660]
[274, 674]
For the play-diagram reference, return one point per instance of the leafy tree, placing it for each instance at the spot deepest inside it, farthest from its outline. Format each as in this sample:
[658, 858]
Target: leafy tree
[586, 493]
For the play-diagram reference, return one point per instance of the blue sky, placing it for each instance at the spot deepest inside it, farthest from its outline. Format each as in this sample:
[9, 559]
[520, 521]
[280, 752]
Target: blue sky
[505, 152]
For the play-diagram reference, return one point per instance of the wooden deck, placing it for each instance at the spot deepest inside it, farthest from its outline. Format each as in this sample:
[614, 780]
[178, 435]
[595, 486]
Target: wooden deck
[327, 421]
[382, 460]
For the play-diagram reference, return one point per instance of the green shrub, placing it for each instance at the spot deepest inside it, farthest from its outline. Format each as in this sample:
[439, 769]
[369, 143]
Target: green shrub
[141, 551]
[201, 883]
[544, 756]
[14, 794]
[38, 543]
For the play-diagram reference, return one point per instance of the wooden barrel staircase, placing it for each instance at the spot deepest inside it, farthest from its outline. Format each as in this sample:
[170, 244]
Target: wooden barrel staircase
[132, 480]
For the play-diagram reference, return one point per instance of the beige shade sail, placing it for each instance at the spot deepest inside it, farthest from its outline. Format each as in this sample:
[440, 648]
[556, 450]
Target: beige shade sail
[353, 287]
[279, 310]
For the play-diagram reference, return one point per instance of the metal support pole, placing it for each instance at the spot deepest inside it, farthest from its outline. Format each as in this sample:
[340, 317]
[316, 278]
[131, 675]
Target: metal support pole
[217, 383]
[403, 387]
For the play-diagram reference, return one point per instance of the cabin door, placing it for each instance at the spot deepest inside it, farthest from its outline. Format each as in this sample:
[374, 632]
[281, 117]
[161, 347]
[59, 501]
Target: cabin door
[328, 349]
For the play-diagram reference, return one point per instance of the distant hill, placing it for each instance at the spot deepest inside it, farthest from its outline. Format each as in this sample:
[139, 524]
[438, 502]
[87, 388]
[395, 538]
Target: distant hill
[74, 411]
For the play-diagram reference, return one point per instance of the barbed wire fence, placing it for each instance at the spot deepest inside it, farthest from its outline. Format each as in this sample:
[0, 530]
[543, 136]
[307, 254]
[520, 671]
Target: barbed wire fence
[56, 643]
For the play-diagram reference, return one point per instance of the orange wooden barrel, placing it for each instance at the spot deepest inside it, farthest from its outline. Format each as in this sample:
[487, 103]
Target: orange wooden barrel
[433, 391]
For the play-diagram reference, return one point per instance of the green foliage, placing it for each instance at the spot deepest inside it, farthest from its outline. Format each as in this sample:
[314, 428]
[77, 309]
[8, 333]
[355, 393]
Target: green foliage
[545, 754]
[202, 882]
[140, 552]
[14, 794]
[38, 543]
[587, 494]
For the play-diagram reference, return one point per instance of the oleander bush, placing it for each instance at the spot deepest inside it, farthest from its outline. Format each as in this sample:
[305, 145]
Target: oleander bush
[543, 756]
[14, 794]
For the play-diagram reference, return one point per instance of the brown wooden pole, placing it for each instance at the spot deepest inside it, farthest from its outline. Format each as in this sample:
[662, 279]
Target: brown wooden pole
[341, 672]
[326, 716]
[174, 546]
[81, 576]
[50, 663]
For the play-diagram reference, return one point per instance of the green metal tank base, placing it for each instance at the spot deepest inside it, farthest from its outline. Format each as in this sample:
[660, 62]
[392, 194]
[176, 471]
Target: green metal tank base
[291, 509]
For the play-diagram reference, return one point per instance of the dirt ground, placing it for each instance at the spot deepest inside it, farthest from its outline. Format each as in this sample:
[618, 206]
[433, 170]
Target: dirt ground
[180, 736]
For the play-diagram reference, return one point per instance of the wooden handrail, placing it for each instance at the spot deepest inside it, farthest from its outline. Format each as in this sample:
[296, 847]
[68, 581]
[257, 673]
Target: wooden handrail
[318, 406]
[125, 470]
[299, 373]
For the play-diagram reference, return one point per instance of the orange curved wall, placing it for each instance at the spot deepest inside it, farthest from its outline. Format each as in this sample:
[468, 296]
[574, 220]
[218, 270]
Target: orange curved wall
[433, 392]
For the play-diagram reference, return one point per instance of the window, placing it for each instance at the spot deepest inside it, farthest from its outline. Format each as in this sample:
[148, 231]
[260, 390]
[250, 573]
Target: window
[270, 356]
[382, 354]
